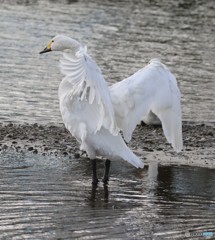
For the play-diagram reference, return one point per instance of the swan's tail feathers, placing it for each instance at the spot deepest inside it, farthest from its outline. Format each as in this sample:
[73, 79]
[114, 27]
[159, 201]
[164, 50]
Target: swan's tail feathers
[130, 157]
[113, 148]
[172, 127]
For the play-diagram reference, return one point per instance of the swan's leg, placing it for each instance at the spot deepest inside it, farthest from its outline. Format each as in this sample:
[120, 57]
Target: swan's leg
[106, 173]
[94, 178]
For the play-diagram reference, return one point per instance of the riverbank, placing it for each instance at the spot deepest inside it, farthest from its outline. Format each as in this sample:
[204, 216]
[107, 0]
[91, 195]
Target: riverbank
[148, 143]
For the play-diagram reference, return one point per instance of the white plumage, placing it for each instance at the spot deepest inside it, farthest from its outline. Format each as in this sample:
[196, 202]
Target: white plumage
[95, 113]
[150, 92]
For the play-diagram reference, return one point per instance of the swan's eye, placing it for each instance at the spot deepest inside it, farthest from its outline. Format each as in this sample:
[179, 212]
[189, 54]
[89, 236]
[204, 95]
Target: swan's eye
[52, 41]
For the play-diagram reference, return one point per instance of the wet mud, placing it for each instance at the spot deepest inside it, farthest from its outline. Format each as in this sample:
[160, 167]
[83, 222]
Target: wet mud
[148, 143]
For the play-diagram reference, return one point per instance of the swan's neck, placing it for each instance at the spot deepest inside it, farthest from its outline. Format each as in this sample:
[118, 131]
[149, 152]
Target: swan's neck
[72, 45]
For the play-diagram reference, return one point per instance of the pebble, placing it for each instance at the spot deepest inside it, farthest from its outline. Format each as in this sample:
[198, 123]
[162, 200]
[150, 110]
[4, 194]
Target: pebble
[4, 147]
[77, 155]
[30, 148]
[159, 149]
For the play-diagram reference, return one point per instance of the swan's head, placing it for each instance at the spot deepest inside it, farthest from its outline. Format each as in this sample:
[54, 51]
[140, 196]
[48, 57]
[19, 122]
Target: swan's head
[58, 43]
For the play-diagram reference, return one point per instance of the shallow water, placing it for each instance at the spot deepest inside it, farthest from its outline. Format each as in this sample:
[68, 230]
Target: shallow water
[121, 35]
[52, 198]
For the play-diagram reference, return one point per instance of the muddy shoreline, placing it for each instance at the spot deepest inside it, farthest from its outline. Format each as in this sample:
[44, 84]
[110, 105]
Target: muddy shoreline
[148, 143]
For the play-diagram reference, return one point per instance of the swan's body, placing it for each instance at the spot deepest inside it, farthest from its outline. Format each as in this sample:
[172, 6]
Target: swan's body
[94, 114]
[87, 111]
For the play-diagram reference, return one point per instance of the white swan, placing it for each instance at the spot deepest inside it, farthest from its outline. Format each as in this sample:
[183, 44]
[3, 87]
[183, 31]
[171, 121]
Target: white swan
[94, 114]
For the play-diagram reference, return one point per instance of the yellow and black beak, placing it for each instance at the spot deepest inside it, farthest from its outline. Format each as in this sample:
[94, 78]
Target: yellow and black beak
[47, 49]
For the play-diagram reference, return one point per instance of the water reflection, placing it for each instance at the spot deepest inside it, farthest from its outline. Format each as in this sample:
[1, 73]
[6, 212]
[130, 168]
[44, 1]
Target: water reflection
[99, 195]
[187, 181]
[56, 197]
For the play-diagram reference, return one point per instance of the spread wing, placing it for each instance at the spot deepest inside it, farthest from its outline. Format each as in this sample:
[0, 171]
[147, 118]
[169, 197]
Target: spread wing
[84, 94]
[151, 89]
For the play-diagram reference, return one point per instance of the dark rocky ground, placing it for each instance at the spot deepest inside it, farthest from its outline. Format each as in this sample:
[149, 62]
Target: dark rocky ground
[148, 142]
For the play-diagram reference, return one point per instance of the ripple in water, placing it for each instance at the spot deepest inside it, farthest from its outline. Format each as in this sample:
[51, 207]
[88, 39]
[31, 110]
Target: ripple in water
[52, 198]
[180, 33]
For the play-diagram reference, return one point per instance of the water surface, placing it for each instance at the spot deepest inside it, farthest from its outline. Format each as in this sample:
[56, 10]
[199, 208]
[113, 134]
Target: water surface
[52, 198]
[122, 36]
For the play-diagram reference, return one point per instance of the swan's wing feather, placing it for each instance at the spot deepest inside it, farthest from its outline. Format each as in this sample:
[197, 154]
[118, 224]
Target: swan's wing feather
[152, 89]
[127, 101]
[131, 100]
[170, 115]
[85, 85]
